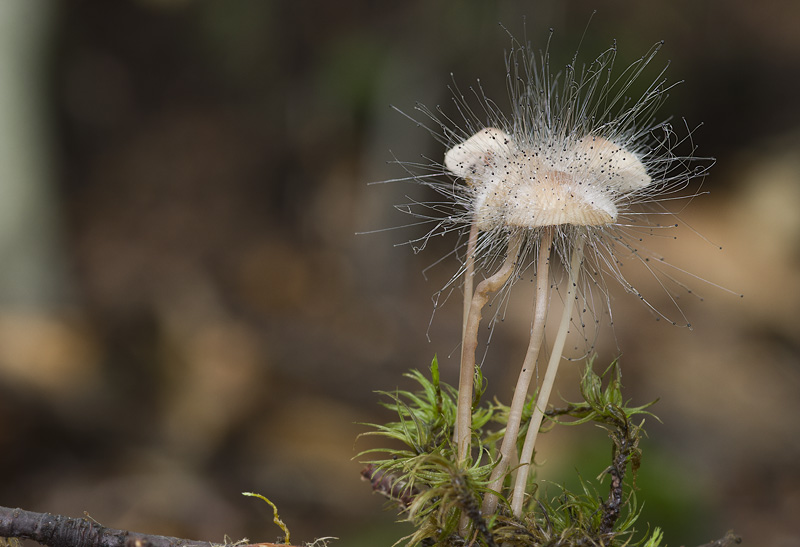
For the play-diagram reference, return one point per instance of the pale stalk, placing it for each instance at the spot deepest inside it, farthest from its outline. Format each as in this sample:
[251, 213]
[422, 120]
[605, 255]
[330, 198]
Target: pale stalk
[470, 345]
[518, 495]
[526, 374]
[469, 273]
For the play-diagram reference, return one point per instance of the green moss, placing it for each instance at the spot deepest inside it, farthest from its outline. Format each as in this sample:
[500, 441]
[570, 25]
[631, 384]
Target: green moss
[442, 499]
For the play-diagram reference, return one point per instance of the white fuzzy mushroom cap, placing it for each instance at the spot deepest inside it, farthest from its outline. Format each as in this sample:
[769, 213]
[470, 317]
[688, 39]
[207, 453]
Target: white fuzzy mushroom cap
[533, 186]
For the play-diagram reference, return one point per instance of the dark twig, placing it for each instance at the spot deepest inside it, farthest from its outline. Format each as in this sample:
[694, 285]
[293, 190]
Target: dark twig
[61, 531]
[611, 507]
[625, 437]
[727, 541]
[574, 410]
[390, 486]
[471, 509]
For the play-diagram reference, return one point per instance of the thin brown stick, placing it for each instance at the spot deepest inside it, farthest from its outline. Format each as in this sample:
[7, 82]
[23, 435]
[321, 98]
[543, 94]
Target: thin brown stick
[389, 485]
[526, 373]
[61, 531]
[470, 346]
[729, 539]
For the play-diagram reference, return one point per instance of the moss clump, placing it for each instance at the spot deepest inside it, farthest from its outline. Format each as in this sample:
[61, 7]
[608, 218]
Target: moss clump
[442, 499]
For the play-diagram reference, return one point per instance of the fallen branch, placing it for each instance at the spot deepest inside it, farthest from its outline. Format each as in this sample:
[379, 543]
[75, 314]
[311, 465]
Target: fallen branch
[61, 531]
[729, 540]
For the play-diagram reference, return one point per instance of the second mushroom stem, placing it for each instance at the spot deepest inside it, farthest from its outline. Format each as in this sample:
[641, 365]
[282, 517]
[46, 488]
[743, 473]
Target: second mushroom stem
[526, 456]
[463, 432]
[469, 273]
[509, 445]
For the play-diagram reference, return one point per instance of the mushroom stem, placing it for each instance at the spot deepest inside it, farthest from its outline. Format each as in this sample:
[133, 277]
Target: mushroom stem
[509, 444]
[489, 285]
[469, 273]
[526, 456]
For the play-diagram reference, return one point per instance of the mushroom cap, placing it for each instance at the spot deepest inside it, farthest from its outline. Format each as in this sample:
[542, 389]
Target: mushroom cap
[533, 186]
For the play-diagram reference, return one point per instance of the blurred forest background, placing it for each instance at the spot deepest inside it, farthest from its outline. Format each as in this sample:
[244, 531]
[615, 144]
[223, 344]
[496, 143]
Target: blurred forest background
[187, 313]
